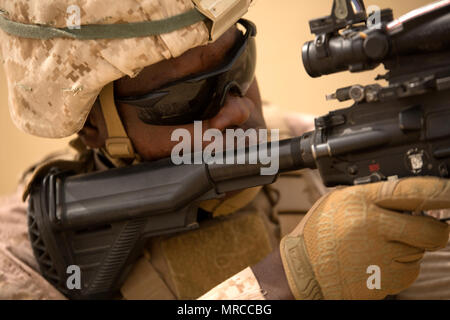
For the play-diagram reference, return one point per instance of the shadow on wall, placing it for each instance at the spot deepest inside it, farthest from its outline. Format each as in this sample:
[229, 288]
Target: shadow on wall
[282, 29]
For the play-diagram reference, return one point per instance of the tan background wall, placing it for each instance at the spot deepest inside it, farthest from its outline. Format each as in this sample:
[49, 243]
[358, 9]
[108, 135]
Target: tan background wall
[282, 30]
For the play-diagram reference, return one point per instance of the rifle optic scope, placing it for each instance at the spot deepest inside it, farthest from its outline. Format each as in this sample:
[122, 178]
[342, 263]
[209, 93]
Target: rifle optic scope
[361, 47]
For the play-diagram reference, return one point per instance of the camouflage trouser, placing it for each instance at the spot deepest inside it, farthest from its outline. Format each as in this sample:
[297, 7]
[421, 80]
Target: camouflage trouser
[19, 278]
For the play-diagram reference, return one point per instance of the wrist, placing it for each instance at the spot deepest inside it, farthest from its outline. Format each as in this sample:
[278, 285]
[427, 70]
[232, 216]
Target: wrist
[272, 278]
[299, 272]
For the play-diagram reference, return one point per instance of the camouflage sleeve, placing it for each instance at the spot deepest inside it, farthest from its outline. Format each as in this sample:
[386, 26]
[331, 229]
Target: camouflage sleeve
[19, 278]
[242, 286]
[433, 282]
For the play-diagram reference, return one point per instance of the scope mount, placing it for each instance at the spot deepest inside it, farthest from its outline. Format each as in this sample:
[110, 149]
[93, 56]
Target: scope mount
[344, 13]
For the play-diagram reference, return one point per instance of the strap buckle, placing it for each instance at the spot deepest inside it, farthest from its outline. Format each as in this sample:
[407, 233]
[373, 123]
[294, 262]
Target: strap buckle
[222, 14]
[120, 148]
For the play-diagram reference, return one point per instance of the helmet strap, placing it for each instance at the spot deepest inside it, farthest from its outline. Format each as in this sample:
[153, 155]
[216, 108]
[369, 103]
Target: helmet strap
[117, 145]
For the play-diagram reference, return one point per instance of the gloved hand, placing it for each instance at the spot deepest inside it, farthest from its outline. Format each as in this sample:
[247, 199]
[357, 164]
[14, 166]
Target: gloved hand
[327, 256]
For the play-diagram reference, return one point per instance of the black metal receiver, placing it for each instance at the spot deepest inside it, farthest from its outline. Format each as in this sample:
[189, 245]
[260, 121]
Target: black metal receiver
[101, 221]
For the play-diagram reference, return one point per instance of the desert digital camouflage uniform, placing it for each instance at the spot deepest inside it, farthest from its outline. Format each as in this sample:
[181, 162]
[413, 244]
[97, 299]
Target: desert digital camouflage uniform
[52, 85]
[19, 275]
[237, 233]
[186, 266]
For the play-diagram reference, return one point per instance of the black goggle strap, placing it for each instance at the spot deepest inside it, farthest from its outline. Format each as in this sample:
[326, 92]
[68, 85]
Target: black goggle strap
[117, 145]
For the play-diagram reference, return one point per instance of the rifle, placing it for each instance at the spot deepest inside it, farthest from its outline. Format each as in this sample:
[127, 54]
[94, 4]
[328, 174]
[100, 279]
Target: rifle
[101, 221]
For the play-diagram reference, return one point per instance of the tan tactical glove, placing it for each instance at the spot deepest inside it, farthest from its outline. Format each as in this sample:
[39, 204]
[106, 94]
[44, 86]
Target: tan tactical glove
[352, 232]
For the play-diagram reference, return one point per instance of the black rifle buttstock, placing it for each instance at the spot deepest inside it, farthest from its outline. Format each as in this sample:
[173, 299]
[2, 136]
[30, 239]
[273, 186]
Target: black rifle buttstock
[101, 221]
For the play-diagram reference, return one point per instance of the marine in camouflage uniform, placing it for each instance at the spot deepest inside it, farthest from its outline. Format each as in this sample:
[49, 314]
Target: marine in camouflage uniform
[173, 267]
[54, 82]
[279, 207]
